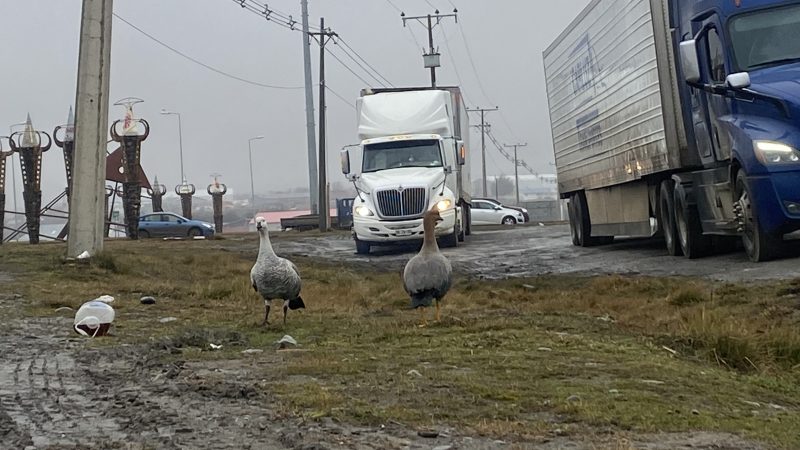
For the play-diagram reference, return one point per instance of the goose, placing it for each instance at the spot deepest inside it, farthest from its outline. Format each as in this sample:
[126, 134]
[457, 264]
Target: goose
[274, 277]
[428, 275]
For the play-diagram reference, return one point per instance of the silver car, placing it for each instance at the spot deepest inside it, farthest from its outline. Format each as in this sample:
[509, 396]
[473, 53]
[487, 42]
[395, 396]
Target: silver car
[487, 213]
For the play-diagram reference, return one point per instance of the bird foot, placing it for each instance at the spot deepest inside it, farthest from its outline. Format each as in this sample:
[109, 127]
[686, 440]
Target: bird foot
[265, 323]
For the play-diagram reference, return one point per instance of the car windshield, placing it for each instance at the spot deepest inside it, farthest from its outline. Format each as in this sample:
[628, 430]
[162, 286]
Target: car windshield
[391, 155]
[765, 38]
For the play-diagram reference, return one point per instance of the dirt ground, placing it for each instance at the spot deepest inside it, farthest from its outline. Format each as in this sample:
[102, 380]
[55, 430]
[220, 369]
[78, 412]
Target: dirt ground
[58, 391]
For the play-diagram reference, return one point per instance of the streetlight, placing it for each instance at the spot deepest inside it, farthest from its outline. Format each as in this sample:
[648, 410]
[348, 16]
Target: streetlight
[180, 136]
[252, 188]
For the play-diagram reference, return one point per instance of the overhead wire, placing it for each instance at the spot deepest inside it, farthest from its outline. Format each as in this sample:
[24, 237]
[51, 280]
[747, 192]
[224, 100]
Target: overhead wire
[367, 83]
[365, 61]
[340, 97]
[352, 58]
[200, 63]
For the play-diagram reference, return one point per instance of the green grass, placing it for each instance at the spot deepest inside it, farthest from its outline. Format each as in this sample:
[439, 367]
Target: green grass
[511, 359]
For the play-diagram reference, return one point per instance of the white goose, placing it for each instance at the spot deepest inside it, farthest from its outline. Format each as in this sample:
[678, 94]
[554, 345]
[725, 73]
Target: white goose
[274, 277]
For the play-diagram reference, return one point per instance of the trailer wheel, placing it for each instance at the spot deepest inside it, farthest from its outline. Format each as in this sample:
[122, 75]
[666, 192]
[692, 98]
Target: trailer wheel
[362, 248]
[666, 213]
[573, 229]
[689, 230]
[583, 224]
[758, 245]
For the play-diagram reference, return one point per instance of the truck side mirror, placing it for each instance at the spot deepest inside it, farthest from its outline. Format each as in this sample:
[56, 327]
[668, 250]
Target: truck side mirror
[448, 169]
[739, 80]
[461, 156]
[689, 61]
[345, 155]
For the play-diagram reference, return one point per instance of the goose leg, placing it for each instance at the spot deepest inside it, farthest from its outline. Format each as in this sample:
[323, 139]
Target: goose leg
[285, 310]
[266, 314]
[423, 322]
[438, 311]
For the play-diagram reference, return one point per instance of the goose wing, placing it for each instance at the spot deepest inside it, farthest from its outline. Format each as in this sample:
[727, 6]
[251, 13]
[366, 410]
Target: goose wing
[427, 272]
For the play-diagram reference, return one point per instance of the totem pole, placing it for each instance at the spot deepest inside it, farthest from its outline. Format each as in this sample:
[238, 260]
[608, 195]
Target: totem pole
[156, 195]
[216, 190]
[109, 193]
[131, 143]
[185, 191]
[28, 143]
[68, 147]
[3, 156]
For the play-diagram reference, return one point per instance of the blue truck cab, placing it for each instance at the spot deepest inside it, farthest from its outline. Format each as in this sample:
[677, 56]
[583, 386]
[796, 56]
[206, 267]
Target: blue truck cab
[681, 119]
[740, 62]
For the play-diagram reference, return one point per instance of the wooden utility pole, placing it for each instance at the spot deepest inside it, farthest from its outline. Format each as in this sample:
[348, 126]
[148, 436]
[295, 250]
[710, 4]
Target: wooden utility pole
[87, 208]
[516, 167]
[324, 208]
[483, 126]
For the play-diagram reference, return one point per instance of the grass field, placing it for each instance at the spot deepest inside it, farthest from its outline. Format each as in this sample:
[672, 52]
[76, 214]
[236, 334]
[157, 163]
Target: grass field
[521, 358]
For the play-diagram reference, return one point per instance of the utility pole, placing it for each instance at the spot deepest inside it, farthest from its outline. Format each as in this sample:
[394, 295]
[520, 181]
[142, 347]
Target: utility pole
[322, 213]
[431, 59]
[483, 126]
[87, 209]
[516, 167]
[310, 138]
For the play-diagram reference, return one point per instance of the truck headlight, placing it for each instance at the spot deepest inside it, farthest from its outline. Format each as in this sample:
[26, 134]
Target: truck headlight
[364, 211]
[442, 205]
[769, 152]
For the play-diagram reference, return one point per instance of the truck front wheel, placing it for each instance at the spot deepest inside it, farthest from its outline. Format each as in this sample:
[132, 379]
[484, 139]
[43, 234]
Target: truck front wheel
[462, 234]
[758, 245]
[451, 240]
[362, 248]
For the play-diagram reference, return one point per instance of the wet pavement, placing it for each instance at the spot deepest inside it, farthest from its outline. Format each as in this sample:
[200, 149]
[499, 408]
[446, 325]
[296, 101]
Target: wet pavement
[498, 252]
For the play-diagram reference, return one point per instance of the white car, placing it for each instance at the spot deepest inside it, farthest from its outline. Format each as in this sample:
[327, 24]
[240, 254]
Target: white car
[488, 213]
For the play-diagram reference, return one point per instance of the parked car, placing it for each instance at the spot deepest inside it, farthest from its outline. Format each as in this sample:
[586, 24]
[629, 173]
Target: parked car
[167, 224]
[485, 212]
[517, 208]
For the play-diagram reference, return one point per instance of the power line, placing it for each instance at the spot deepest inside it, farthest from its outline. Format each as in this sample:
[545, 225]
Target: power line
[200, 63]
[453, 63]
[347, 102]
[366, 83]
[431, 5]
[365, 61]
[352, 58]
[394, 6]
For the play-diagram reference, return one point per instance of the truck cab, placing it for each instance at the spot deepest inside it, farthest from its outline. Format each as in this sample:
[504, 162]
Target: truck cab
[740, 61]
[411, 158]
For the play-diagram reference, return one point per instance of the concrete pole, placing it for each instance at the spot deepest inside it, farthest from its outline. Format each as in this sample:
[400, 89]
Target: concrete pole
[86, 213]
[323, 198]
[310, 130]
[516, 167]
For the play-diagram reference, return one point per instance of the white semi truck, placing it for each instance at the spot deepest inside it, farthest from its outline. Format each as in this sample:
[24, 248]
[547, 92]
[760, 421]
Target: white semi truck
[413, 156]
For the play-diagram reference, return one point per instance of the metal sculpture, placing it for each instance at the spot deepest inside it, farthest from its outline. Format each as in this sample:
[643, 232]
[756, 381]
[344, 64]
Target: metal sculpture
[109, 193]
[68, 147]
[216, 190]
[3, 156]
[28, 143]
[131, 143]
[156, 193]
[185, 190]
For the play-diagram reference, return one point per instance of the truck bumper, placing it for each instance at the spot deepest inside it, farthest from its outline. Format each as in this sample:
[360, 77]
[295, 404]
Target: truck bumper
[777, 201]
[376, 231]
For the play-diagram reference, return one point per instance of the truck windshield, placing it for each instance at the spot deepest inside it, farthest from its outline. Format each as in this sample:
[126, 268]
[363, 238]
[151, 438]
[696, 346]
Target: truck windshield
[765, 38]
[391, 155]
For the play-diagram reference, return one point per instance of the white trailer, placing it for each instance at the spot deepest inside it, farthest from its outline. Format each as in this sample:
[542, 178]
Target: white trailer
[413, 156]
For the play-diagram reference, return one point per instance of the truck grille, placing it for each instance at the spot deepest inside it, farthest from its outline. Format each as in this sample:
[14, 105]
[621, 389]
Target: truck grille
[409, 202]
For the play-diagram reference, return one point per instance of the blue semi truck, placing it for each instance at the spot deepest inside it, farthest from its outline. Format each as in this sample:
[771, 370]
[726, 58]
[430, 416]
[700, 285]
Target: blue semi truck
[679, 118]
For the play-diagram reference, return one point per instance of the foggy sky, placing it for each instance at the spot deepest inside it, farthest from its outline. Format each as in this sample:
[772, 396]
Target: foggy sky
[506, 38]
